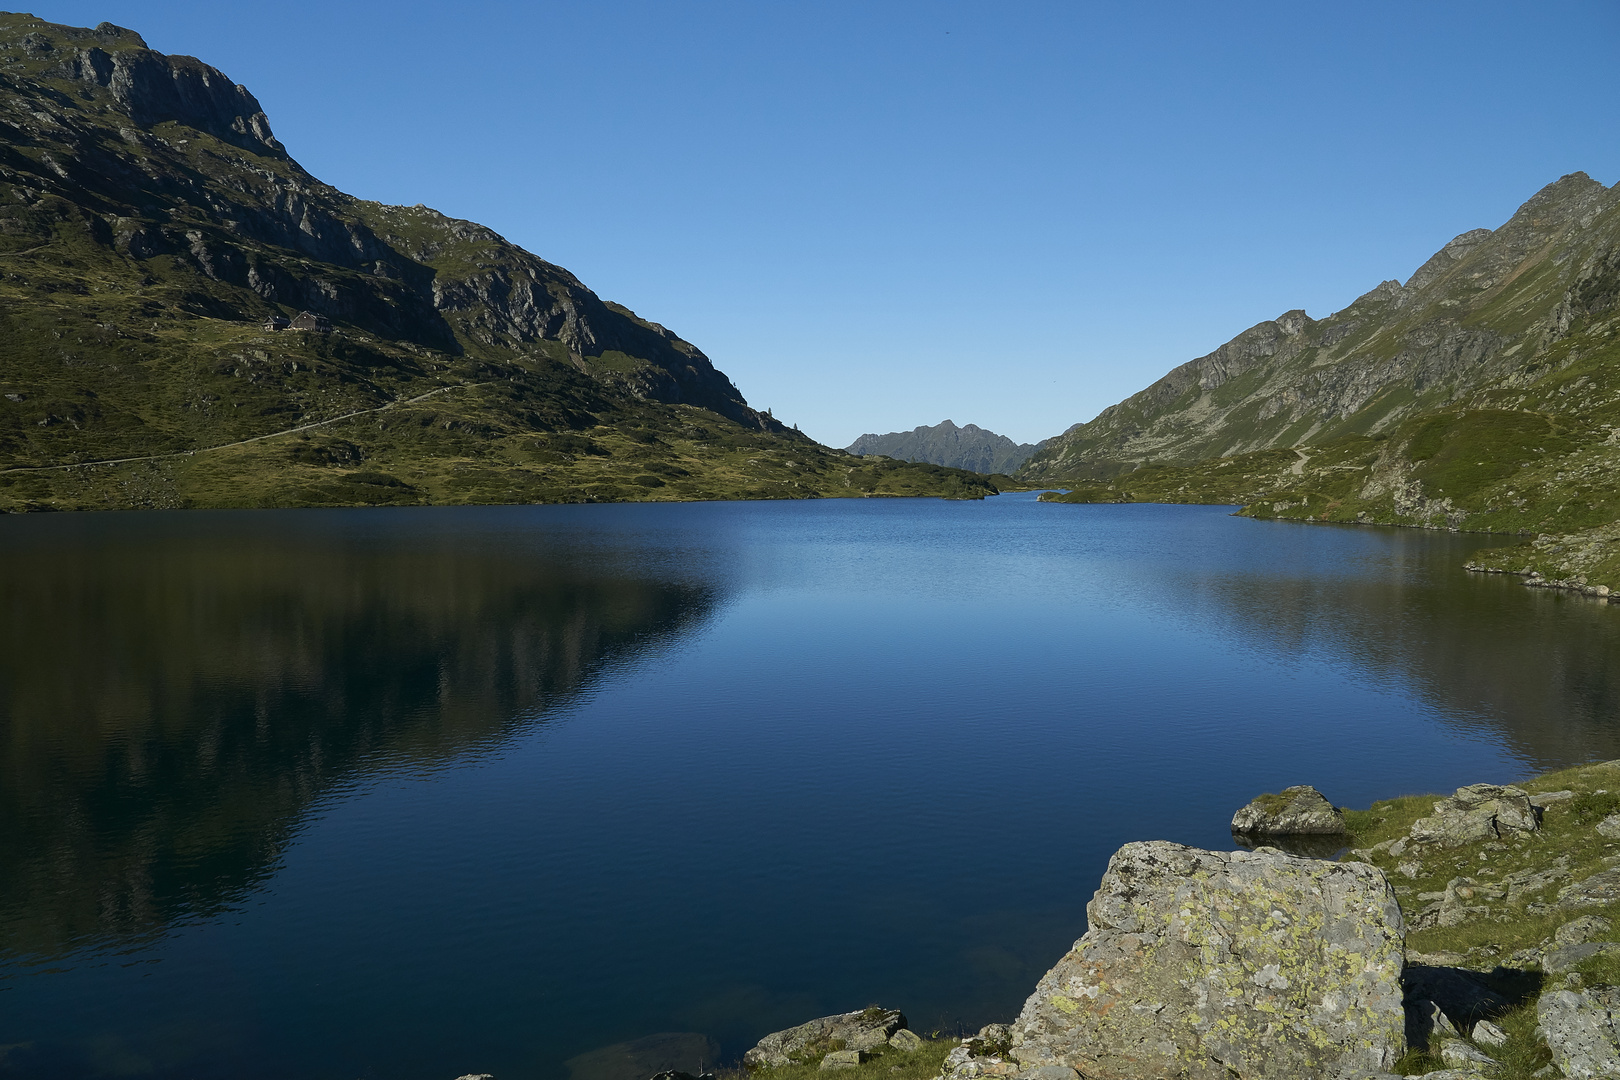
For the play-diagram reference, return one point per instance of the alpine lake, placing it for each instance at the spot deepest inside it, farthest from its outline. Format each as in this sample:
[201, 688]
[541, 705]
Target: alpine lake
[579, 792]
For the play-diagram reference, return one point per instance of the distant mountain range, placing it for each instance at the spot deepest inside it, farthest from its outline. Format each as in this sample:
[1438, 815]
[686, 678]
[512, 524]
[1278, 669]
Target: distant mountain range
[189, 318]
[1483, 394]
[967, 447]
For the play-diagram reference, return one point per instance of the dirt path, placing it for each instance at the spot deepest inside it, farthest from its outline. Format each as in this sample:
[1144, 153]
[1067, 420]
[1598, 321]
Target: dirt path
[1298, 467]
[241, 442]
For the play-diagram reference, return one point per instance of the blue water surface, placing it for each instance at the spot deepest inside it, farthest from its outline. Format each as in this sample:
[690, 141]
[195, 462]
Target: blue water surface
[422, 792]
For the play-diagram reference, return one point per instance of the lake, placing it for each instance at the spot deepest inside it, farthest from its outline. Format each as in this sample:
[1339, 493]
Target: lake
[412, 793]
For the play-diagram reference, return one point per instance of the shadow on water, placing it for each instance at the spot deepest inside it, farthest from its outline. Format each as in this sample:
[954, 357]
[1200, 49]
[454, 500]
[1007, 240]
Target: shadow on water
[174, 699]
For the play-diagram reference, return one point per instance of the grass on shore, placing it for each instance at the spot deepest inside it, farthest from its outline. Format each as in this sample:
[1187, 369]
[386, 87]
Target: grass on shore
[1494, 942]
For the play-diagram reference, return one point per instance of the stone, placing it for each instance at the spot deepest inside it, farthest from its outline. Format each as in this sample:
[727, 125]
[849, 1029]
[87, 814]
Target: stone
[1462, 900]
[1048, 1072]
[1460, 1055]
[844, 1059]
[477, 1076]
[1601, 888]
[1568, 957]
[905, 1040]
[1425, 1020]
[1488, 1034]
[1581, 930]
[865, 1030]
[1547, 798]
[1610, 827]
[1583, 1031]
[1477, 812]
[1300, 810]
[1235, 965]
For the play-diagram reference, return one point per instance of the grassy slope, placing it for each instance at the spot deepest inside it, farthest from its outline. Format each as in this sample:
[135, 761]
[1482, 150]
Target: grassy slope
[1488, 943]
[1525, 460]
[112, 348]
[1487, 400]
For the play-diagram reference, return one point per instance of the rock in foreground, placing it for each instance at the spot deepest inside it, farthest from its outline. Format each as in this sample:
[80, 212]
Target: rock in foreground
[1296, 811]
[856, 1031]
[1582, 1031]
[1220, 965]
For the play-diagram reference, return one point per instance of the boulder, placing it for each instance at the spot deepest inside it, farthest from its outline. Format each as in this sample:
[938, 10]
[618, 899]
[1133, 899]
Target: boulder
[1601, 888]
[906, 1040]
[1488, 1034]
[1300, 810]
[1610, 827]
[1477, 812]
[1459, 1055]
[1583, 1031]
[1235, 965]
[1581, 930]
[865, 1030]
[985, 1055]
[844, 1059]
[1568, 957]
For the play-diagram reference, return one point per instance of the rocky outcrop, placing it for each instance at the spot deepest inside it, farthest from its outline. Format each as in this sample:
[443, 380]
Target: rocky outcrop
[846, 1033]
[1300, 810]
[1477, 812]
[1223, 965]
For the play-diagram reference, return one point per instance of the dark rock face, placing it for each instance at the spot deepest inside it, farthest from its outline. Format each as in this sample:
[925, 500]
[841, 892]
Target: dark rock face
[966, 447]
[246, 216]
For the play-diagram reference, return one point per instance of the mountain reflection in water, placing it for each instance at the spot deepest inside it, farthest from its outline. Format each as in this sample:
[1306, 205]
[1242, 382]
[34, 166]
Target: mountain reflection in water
[292, 794]
[175, 694]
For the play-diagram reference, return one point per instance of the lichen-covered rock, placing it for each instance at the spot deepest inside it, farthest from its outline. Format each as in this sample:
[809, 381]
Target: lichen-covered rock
[905, 1040]
[1582, 1031]
[1601, 888]
[1477, 812]
[865, 1030]
[1569, 957]
[1213, 965]
[844, 1059]
[1459, 1055]
[1295, 811]
[1584, 929]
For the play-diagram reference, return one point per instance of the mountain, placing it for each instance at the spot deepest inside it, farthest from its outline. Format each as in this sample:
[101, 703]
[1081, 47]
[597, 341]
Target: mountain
[1482, 394]
[967, 447]
[152, 229]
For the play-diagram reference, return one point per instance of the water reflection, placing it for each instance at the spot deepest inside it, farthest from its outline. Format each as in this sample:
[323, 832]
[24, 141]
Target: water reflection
[173, 699]
[1536, 670]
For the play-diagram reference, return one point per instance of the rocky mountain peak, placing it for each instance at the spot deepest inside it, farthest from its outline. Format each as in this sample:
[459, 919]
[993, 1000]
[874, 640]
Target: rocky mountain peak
[149, 86]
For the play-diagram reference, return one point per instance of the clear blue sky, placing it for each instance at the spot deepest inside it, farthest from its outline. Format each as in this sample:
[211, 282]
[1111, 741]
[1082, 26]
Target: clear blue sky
[875, 215]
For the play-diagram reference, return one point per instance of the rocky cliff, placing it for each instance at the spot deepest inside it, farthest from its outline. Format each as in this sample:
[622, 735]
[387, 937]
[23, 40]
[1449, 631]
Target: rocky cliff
[967, 447]
[152, 228]
[1485, 308]
[1482, 394]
